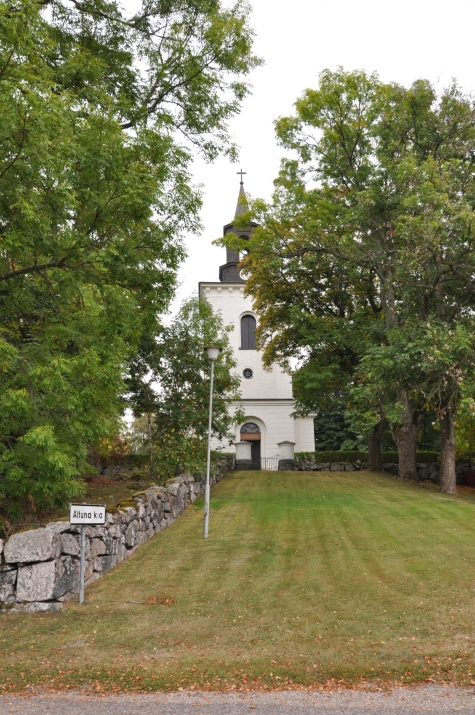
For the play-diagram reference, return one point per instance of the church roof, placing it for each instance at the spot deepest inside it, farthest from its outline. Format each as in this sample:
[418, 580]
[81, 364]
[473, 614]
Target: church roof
[242, 205]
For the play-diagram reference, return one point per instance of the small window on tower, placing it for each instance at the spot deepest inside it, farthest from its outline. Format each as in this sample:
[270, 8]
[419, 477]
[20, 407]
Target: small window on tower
[248, 332]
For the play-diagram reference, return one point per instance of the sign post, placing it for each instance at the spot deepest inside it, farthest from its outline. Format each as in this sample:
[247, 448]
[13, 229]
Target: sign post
[85, 515]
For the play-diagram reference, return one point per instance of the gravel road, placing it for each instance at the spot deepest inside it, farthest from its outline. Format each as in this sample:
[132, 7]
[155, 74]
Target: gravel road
[432, 699]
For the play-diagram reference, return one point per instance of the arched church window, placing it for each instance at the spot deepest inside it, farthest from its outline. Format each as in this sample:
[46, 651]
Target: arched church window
[250, 428]
[248, 332]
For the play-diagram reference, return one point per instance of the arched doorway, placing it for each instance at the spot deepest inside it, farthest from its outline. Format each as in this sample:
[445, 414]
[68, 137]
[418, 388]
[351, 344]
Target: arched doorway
[250, 432]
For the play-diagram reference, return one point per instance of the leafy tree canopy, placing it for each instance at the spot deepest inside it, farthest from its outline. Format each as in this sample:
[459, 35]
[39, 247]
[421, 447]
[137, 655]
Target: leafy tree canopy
[371, 228]
[169, 380]
[101, 112]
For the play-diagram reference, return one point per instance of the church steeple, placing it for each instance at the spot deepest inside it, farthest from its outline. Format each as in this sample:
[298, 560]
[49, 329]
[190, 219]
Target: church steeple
[242, 205]
[229, 272]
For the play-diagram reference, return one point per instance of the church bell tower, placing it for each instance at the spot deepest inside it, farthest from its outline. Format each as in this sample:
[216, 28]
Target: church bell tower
[229, 272]
[265, 395]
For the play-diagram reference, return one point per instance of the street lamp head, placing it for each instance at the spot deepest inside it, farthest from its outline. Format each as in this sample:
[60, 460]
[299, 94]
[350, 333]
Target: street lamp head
[213, 352]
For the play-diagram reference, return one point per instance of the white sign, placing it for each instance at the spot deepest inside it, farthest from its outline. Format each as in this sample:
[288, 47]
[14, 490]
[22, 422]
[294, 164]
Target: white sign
[88, 514]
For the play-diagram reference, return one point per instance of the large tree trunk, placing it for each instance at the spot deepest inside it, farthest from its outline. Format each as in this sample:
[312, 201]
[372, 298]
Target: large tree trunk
[405, 435]
[150, 449]
[447, 453]
[374, 438]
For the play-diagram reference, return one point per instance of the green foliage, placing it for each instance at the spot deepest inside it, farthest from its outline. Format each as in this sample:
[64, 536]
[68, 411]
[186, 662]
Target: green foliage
[337, 456]
[465, 425]
[333, 430]
[137, 435]
[364, 261]
[431, 361]
[350, 457]
[170, 380]
[95, 194]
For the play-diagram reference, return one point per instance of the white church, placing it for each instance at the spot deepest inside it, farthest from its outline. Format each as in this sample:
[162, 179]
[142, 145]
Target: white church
[269, 431]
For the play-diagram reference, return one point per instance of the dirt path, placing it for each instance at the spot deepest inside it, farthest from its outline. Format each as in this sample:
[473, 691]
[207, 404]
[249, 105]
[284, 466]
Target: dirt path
[432, 699]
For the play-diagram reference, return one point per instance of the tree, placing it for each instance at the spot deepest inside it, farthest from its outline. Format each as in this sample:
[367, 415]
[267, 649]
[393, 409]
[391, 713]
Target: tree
[333, 430]
[100, 115]
[311, 305]
[170, 378]
[465, 426]
[380, 201]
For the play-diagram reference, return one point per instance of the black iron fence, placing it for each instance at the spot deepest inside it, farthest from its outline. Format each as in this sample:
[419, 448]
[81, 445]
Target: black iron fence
[270, 464]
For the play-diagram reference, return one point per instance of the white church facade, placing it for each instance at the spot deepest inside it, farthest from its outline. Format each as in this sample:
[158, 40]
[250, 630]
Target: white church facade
[266, 395]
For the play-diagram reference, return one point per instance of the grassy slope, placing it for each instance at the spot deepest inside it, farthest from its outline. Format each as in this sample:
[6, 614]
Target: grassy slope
[305, 577]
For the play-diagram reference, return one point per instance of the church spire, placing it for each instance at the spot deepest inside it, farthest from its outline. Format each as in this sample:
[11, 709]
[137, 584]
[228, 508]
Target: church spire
[229, 272]
[242, 205]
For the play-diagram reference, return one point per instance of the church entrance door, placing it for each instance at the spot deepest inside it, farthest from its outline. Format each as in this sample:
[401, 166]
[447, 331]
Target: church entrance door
[250, 432]
[256, 455]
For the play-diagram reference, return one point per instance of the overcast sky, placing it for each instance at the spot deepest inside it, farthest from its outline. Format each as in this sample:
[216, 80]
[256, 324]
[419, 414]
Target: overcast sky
[402, 41]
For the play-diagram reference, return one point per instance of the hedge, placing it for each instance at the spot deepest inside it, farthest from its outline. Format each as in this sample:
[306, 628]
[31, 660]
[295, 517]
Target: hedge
[351, 457]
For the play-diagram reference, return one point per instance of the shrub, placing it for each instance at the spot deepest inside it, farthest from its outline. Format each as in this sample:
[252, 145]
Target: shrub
[351, 457]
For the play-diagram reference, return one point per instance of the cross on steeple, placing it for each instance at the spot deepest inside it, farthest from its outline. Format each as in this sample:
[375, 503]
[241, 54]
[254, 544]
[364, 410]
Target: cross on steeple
[241, 173]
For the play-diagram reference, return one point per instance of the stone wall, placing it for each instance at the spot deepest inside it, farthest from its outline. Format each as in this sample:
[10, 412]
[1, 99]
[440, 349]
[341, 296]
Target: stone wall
[429, 472]
[39, 568]
[425, 471]
[308, 465]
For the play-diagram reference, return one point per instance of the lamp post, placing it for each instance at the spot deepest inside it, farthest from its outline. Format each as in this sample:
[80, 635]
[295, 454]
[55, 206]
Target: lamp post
[213, 353]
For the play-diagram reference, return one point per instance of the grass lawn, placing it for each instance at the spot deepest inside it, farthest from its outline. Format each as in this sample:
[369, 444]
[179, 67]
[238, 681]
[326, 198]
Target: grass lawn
[305, 577]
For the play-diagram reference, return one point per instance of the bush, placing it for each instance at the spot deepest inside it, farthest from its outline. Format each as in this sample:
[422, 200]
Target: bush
[351, 457]
[131, 461]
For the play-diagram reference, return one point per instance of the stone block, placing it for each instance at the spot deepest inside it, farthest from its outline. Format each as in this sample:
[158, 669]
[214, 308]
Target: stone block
[173, 488]
[97, 532]
[337, 467]
[131, 535]
[167, 508]
[70, 544]
[7, 585]
[48, 580]
[140, 510]
[1, 546]
[286, 465]
[36, 607]
[128, 514]
[104, 563]
[88, 569]
[59, 526]
[113, 546]
[242, 464]
[349, 468]
[93, 577]
[98, 548]
[31, 546]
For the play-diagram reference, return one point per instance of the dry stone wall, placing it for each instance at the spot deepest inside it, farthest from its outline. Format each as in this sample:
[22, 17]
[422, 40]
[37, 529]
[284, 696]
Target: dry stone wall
[425, 472]
[40, 568]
